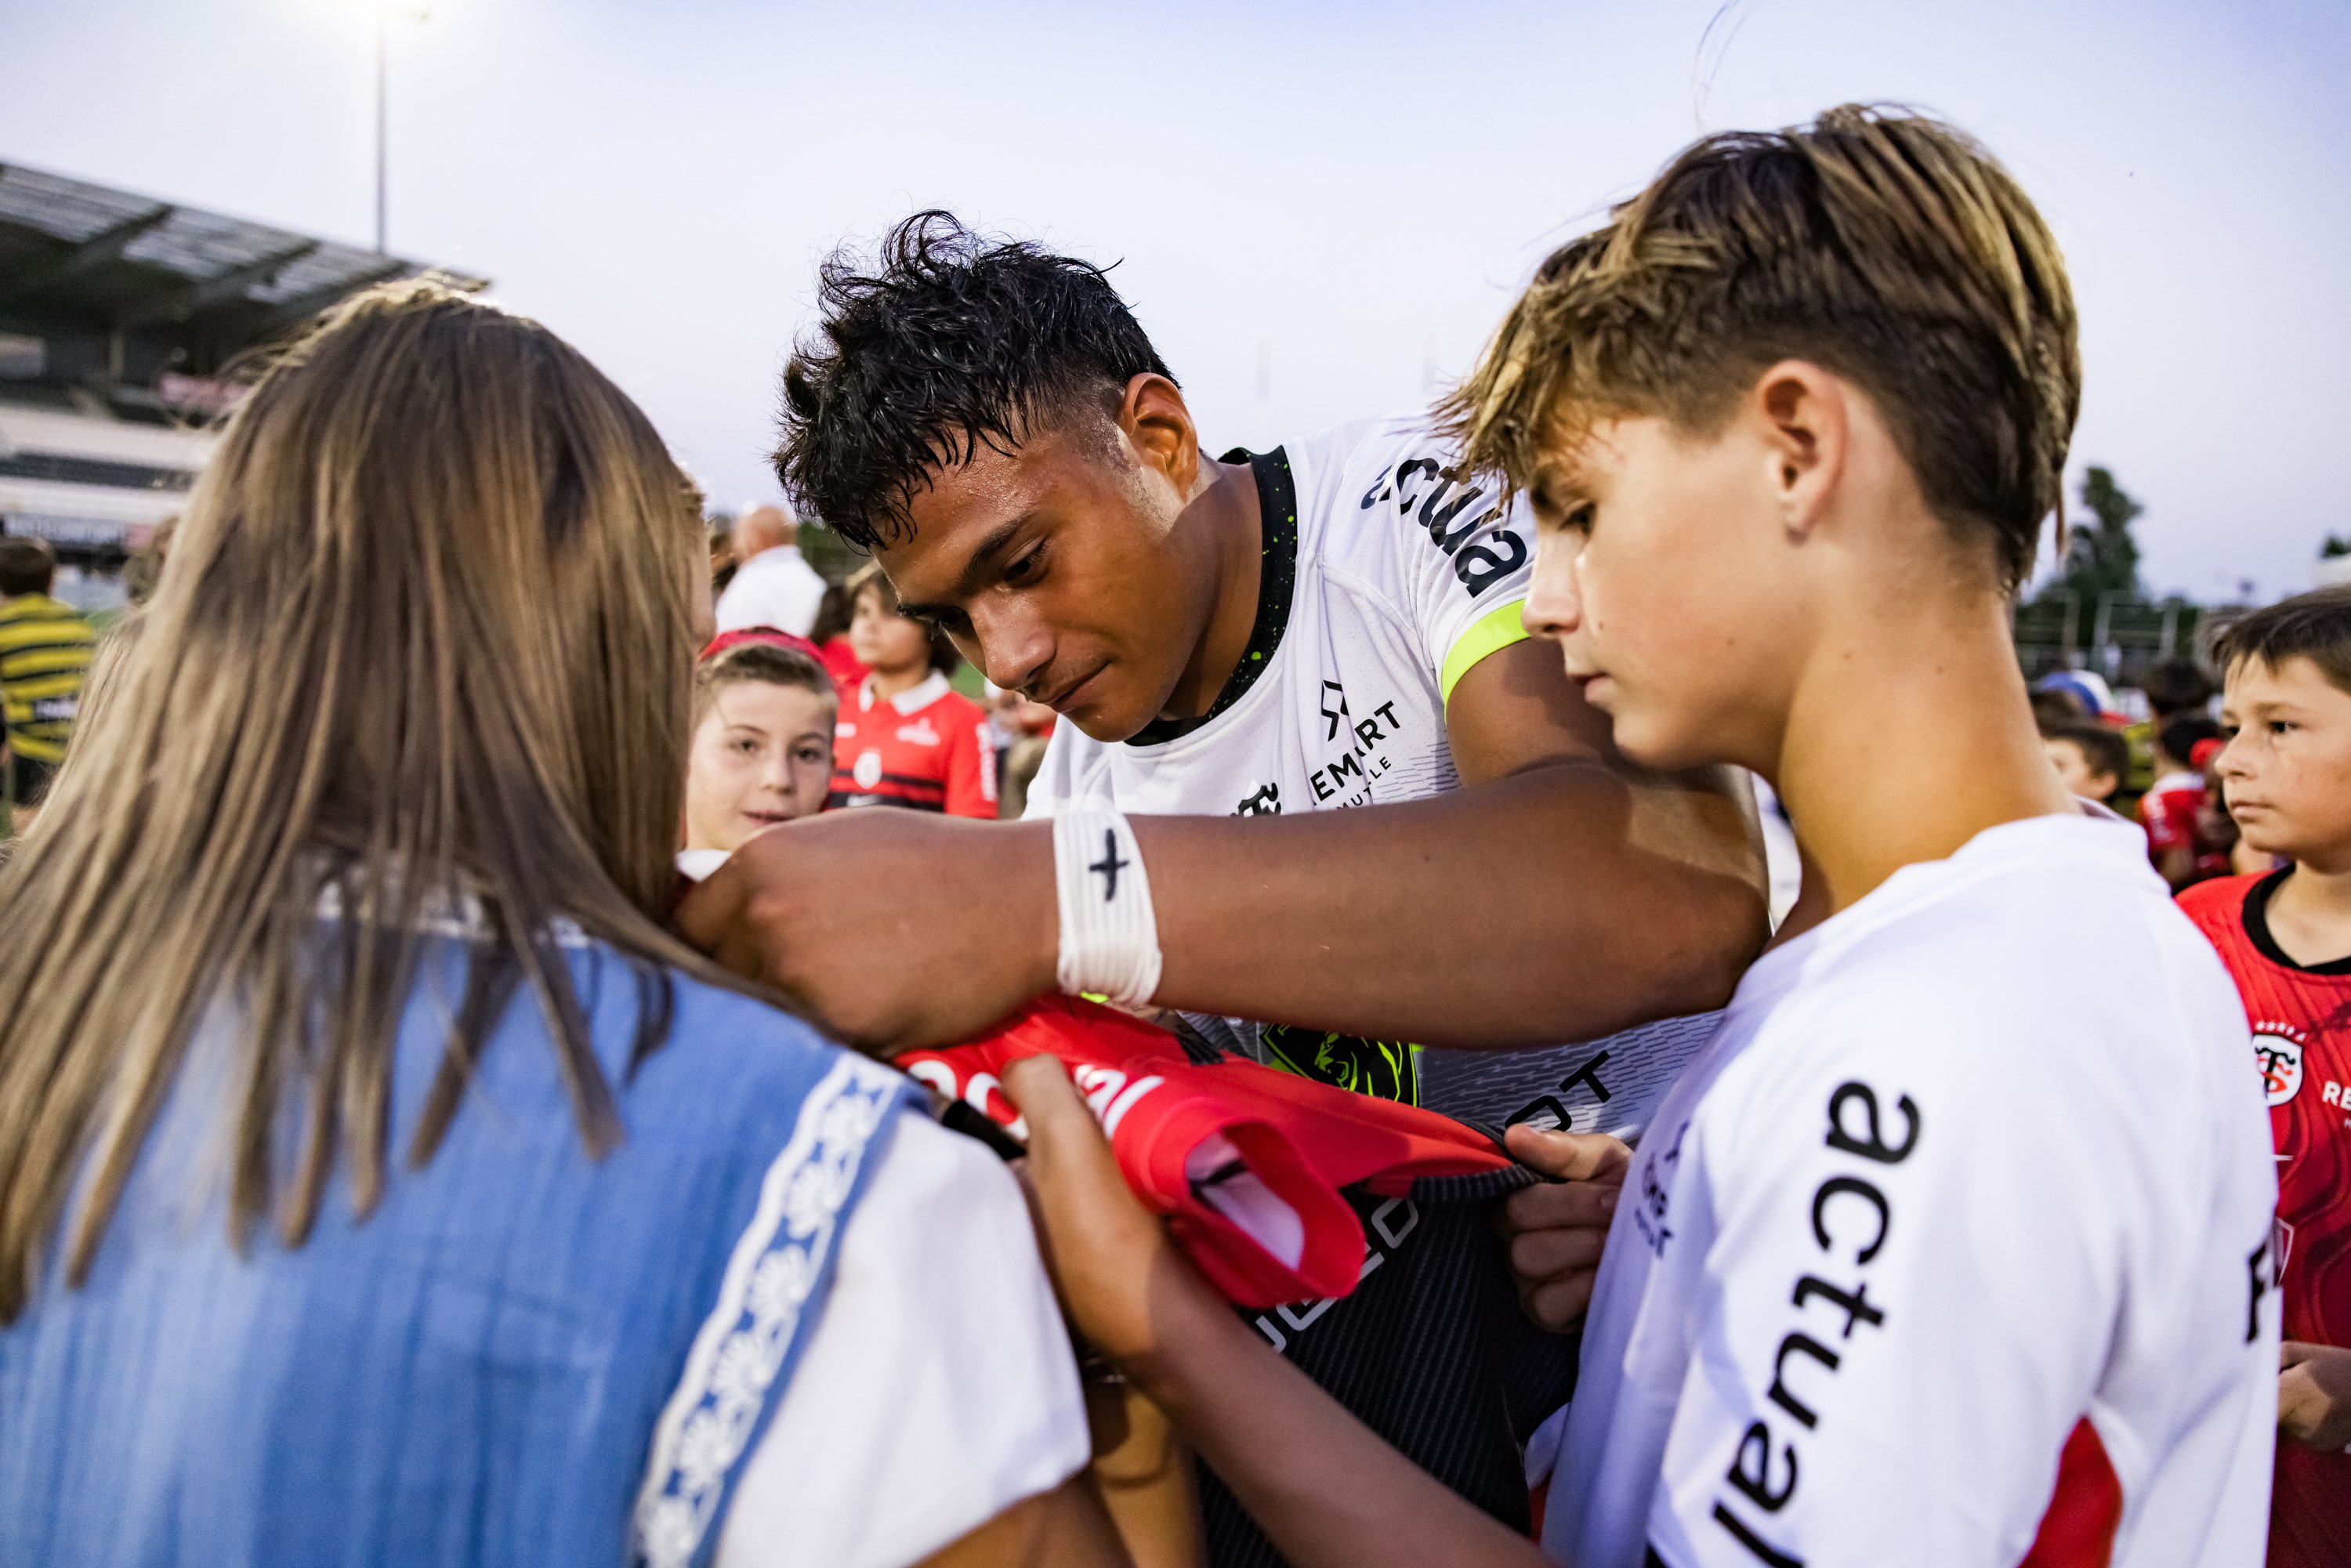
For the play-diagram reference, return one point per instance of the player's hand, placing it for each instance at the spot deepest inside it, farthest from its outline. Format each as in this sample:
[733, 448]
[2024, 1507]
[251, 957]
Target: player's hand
[1556, 1230]
[2315, 1394]
[888, 929]
[1116, 1271]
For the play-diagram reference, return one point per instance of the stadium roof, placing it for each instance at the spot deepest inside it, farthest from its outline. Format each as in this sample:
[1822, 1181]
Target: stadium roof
[124, 326]
[77, 255]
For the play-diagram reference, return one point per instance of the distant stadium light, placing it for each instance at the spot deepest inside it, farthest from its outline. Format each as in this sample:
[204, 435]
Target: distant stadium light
[386, 11]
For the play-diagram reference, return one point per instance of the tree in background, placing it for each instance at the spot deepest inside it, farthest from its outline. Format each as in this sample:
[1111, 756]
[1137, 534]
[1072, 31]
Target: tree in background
[2101, 557]
[833, 556]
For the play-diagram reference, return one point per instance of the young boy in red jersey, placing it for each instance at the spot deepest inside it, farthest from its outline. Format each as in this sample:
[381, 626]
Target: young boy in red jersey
[906, 737]
[2286, 936]
[2178, 846]
[764, 711]
[1951, 1247]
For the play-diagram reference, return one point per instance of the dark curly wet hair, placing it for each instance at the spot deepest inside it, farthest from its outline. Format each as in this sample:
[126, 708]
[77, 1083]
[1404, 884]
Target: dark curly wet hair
[944, 341]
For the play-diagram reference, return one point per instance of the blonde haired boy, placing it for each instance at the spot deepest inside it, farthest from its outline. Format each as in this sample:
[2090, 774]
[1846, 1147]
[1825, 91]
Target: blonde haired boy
[1941, 1252]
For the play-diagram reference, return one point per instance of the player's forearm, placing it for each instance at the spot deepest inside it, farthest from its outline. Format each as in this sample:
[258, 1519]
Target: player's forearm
[1555, 904]
[1321, 1484]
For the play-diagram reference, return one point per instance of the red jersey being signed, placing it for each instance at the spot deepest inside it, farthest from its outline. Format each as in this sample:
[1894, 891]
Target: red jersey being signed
[927, 747]
[2301, 1019]
[1247, 1162]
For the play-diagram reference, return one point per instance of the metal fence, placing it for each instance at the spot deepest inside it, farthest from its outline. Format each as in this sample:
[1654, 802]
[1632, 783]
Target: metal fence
[2118, 635]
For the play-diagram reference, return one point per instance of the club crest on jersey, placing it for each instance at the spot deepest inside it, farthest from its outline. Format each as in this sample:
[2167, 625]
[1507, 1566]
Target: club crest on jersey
[2277, 1052]
[867, 769]
[1363, 760]
[1330, 719]
[1266, 802]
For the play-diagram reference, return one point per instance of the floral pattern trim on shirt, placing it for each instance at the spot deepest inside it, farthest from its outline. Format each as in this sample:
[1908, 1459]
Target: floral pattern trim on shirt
[750, 1337]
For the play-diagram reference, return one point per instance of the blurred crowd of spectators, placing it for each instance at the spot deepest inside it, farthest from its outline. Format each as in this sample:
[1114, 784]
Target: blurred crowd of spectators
[2148, 753]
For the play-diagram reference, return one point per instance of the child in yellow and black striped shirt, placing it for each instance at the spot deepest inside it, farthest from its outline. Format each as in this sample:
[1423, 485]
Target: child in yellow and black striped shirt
[45, 653]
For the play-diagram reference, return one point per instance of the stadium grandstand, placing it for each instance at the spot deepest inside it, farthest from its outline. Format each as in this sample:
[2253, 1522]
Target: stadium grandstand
[127, 326]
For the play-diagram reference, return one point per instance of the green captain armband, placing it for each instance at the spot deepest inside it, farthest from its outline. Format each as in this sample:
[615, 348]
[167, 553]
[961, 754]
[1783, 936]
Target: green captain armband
[1489, 634]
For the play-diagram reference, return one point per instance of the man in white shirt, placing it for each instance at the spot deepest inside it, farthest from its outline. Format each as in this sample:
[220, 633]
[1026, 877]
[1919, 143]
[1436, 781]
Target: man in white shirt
[1384, 585]
[1241, 647]
[773, 586]
[1941, 1252]
[1237, 645]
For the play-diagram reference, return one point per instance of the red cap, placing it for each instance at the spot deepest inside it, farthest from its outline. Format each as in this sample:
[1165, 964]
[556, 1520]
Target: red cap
[2203, 751]
[745, 636]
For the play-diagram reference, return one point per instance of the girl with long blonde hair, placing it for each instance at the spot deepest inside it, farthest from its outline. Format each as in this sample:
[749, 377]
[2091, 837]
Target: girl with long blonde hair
[379, 1180]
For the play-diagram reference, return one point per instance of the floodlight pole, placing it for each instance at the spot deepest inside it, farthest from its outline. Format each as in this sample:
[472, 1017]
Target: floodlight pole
[380, 29]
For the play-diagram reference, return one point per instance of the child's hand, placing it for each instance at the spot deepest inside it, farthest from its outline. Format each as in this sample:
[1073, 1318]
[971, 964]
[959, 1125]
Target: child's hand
[1112, 1262]
[2314, 1395]
[1556, 1230]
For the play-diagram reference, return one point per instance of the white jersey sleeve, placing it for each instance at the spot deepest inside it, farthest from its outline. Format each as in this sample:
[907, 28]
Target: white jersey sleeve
[938, 1388]
[1460, 559]
[1902, 1322]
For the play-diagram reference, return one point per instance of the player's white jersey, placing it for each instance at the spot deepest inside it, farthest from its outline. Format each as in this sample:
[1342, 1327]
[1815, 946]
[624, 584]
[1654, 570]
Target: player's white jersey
[1968, 1166]
[1403, 577]
[1386, 578]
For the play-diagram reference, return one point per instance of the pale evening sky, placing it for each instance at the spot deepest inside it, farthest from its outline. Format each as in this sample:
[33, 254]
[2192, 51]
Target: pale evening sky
[1319, 210]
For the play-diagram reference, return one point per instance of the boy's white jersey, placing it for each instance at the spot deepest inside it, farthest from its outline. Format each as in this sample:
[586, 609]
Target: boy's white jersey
[1971, 1164]
[1385, 580]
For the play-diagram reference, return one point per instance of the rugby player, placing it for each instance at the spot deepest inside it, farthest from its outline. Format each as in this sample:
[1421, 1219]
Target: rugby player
[1241, 647]
[1954, 1244]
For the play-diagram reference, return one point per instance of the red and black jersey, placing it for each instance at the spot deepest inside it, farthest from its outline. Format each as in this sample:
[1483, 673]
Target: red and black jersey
[1420, 1335]
[2169, 813]
[2301, 1019]
[1247, 1162]
[927, 747]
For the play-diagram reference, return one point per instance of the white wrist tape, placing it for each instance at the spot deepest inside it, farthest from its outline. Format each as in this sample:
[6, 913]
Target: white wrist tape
[1110, 938]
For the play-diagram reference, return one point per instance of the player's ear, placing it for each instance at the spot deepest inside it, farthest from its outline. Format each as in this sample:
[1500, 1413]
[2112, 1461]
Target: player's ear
[1158, 427]
[1801, 412]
